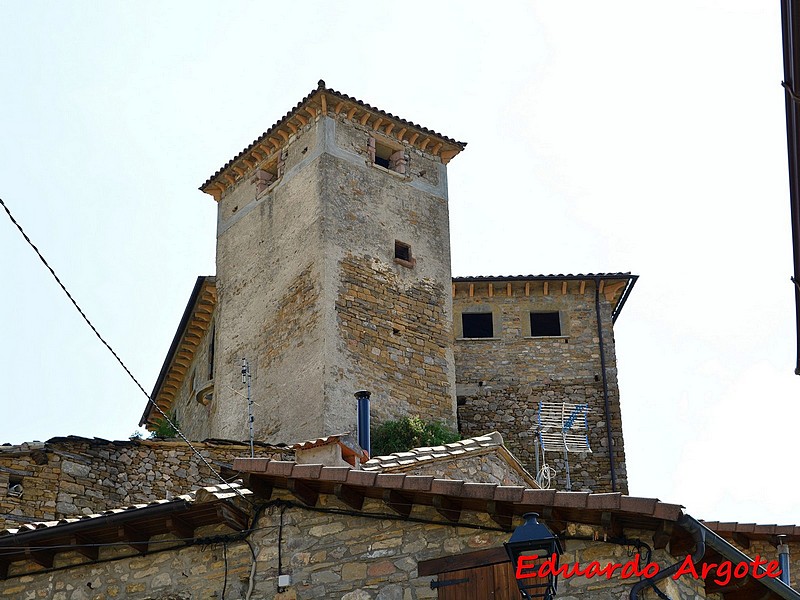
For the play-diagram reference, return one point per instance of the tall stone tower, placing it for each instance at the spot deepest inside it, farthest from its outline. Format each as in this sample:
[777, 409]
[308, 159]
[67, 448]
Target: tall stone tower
[333, 273]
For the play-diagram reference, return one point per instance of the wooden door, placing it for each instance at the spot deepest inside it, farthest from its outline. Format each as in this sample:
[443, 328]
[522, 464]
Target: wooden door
[495, 582]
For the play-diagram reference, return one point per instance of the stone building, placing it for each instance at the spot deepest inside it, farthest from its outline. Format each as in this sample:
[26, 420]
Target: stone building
[333, 275]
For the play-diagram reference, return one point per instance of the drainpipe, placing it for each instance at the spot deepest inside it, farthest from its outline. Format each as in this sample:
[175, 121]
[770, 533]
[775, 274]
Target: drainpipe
[363, 419]
[783, 559]
[605, 384]
[698, 534]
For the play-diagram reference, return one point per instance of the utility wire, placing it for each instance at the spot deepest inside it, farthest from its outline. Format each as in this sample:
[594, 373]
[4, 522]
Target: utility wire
[116, 356]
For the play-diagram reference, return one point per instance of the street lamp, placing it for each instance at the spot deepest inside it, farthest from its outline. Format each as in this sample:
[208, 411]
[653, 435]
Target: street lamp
[531, 546]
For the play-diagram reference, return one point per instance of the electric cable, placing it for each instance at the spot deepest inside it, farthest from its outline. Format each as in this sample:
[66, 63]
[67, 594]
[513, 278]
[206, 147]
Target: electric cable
[116, 356]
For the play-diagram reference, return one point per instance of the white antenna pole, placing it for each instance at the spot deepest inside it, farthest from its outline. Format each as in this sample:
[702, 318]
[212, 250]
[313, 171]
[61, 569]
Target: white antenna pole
[246, 379]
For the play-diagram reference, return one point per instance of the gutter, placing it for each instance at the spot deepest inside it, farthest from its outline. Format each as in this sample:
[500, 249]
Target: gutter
[790, 19]
[606, 402]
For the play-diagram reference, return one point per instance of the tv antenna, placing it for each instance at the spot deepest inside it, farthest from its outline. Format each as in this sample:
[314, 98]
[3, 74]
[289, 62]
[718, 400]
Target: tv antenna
[246, 380]
[561, 427]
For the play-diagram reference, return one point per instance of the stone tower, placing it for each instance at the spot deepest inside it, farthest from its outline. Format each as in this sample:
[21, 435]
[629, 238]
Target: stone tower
[333, 273]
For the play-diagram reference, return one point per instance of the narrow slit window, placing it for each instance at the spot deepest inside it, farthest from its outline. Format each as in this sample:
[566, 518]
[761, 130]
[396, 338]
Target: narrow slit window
[211, 350]
[545, 324]
[477, 325]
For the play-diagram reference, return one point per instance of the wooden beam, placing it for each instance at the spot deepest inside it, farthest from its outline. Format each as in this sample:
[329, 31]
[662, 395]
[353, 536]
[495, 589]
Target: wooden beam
[454, 290]
[283, 134]
[351, 112]
[546, 288]
[602, 285]
[612, 289]
[338, 108]
[611, 525]
[84, 547]
[425, 143]
[388, 129]
[563, 288]
[471, 290]
[302, 119]
[377, 123]
[135, 538]
[291, 126]
[491, 290]
[583, 287]
[479, 558]
[509, 291]
[364, 119]
[448, 507]
[662, 535]
[349, 495]
[41, 557]
[324, 102]
[447, 155]
[238, 170]
[303, 492]
[527, 288]
[399, 135]
[399, 503]
[502, 513]
[413, 138]
[274, 142]
[741, 539]
[312, 111]
[259, 486]
[180, 528]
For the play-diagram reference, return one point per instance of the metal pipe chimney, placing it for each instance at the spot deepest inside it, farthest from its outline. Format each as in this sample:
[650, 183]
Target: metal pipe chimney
[783, 559]
[363, 419]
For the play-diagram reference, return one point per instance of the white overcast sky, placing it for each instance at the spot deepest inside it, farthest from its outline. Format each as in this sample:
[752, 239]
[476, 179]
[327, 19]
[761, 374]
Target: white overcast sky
[603, 136]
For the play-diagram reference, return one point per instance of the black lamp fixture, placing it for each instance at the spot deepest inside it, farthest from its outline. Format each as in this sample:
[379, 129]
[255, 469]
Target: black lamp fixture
[531, 545]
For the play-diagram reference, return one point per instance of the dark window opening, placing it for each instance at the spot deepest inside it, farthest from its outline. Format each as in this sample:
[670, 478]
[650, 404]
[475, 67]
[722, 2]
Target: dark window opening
[14, 486]
[402, 251]
[387, 157]
[477, 325]
[545, 324]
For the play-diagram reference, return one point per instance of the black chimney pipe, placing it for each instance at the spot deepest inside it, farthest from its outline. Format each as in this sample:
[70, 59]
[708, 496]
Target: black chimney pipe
[363, 419]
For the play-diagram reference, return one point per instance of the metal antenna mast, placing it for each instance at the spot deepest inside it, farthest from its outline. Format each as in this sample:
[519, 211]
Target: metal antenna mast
[246, 379]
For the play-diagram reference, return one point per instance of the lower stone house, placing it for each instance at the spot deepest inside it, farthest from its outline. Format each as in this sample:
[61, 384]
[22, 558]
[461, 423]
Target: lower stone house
[394, 528]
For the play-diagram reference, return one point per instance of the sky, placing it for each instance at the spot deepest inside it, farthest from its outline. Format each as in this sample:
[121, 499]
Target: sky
[603, 136]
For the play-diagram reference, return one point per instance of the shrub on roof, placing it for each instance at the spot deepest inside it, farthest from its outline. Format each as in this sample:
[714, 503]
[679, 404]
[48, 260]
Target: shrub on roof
[410, 432]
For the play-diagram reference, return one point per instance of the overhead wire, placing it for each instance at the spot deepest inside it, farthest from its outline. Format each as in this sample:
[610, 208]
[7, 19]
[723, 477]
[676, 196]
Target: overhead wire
[114, 354]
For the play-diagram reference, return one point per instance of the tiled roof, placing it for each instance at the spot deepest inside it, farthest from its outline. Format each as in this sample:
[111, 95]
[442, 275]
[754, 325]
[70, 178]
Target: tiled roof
[417, 455]
[559, 277]
[751, 531]
[420, 489]
[201, 495]
[322, 89]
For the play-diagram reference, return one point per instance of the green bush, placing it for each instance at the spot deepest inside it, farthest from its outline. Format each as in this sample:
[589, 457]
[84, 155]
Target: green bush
[408, 433]
[164, 429]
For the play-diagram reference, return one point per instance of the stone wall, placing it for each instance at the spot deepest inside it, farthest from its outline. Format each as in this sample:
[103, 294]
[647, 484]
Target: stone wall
[502, 379]
[335, 556]
[395, 340]
[74, 477]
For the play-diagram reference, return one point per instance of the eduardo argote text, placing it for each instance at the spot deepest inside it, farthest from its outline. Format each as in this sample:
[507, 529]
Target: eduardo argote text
[723, 571]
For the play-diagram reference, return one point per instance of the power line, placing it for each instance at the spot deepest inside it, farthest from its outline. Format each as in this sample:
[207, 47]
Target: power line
[110, 349]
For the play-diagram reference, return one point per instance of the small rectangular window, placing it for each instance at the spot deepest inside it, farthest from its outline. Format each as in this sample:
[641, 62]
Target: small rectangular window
[388, 157]
[545, 324]
[477, 325]
[402, 251]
